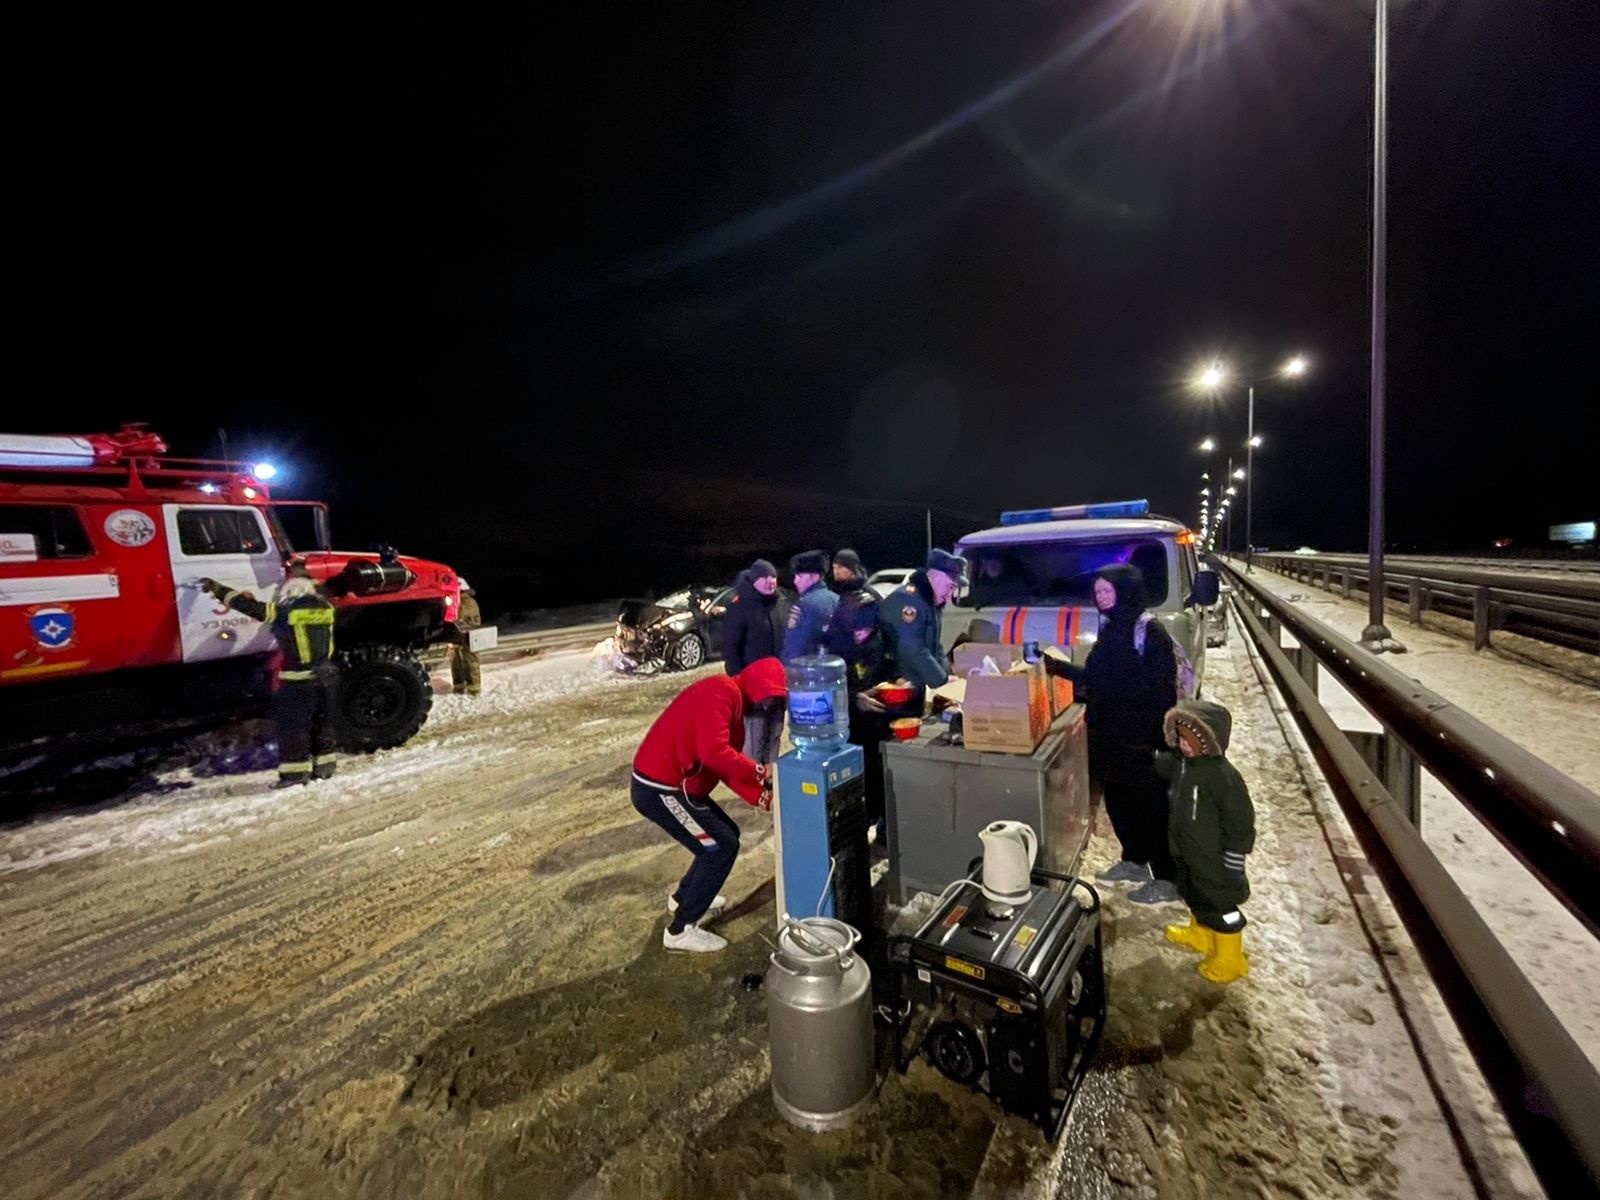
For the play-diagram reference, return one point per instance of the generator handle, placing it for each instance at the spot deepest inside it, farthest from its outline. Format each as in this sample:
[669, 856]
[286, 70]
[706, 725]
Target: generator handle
[975, 869]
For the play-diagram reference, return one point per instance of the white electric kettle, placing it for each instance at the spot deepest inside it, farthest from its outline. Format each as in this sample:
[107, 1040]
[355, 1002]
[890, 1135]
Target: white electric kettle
[1009, 850]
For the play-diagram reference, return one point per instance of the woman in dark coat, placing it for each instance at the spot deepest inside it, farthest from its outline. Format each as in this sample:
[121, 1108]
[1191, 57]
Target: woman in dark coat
[1129, 681]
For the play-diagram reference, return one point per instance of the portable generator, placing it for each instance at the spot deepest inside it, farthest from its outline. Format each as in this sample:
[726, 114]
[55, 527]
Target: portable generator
[1012, 997]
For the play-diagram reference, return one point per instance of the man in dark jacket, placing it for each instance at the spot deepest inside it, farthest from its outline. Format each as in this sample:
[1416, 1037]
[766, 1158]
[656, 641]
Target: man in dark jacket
[750, 629]
[695, 744]
[848, 573]
[1129, 681]
[811, 613]
[911, 621]
[750, 632]
[305, 706]
[1211, 830]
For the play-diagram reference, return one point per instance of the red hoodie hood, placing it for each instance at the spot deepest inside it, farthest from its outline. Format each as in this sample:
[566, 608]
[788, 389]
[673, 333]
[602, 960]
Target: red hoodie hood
[762, 680]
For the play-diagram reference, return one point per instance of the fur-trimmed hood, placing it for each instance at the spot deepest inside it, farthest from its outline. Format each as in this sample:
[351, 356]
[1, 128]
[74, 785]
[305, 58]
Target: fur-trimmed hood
[1211, 724]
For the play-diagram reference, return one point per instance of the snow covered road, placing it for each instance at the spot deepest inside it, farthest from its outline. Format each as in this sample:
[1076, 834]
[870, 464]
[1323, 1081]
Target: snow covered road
[441, 975]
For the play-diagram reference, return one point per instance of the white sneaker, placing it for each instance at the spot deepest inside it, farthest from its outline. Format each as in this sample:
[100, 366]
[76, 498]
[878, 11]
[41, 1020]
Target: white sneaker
[693, 940]
[717, 905]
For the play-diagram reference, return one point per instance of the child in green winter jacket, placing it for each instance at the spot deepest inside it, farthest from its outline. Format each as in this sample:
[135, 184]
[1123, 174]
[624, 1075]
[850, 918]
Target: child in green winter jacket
[1211, 827]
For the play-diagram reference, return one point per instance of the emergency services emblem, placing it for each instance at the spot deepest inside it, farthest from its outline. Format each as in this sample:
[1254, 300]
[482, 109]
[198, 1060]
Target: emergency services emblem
[908, 614]
[52, 626]
[130, 527]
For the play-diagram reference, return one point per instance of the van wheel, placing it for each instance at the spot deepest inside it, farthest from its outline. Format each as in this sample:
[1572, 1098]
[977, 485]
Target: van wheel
[384, 697]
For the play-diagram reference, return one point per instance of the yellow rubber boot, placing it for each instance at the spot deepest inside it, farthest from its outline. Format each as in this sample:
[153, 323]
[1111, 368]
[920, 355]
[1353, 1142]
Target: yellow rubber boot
[1193, 936]
[1227, 960]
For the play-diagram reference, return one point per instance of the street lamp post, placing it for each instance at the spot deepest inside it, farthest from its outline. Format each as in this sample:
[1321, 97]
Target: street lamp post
[1376, 636]
[1250, 484]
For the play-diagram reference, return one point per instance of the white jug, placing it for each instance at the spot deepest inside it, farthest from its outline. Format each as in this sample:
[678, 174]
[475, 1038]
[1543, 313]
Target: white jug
[1009, 851]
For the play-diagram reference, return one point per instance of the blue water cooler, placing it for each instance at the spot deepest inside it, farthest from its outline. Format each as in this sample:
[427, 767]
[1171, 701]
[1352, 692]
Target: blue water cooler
[823, 868]
[822, 828]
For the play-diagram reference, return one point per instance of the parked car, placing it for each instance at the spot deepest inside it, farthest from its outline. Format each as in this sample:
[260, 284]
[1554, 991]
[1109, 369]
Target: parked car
[678, 632]
[881, 583]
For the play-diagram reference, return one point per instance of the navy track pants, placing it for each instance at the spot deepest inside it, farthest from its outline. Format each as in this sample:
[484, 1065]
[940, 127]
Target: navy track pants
[699, 825]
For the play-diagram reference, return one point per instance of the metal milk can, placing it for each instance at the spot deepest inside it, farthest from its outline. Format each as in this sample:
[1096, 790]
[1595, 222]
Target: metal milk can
[819, 1021]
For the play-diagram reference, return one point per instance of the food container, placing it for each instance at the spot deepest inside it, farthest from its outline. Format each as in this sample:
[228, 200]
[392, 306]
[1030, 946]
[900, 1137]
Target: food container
[894, 694]
[905, 728]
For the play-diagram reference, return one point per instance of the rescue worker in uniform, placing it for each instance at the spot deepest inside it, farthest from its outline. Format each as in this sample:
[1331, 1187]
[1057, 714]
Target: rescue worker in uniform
[305, 706]
[695, 744]
[912, 621]
[466, 675]
[856, 636]
[813, 611]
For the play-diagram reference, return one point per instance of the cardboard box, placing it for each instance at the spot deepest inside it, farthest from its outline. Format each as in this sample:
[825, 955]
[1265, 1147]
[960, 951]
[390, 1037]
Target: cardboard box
[1060, 695]
[969, 656]
[1009, 713]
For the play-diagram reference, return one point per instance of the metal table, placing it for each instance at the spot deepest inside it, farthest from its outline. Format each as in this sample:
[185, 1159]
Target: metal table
[938, 797]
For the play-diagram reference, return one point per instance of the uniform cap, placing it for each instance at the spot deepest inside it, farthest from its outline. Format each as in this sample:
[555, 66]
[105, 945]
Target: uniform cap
[952, 565]
[811, 562]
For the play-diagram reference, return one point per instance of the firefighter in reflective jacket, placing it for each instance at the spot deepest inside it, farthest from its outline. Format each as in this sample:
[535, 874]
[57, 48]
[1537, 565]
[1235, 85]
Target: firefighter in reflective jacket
[304, 707]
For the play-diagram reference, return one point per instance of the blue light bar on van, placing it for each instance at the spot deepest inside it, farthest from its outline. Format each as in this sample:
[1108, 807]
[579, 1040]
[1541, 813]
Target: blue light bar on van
[1077, 512]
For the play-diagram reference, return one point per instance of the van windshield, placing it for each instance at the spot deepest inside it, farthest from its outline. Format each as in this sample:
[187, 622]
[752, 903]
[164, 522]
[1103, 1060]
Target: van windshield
[1060, 573]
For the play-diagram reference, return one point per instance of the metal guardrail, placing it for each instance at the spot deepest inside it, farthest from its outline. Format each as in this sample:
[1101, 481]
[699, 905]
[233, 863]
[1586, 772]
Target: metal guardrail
[1581, 566]
[1545, 1084]
[1562, 610]
[541, 641]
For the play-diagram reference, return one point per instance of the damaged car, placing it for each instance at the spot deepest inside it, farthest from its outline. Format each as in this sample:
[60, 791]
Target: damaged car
[678, 632]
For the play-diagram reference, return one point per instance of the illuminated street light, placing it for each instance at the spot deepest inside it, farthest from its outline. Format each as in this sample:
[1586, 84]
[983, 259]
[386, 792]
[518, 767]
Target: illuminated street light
[1231, 491]
[1211, 378]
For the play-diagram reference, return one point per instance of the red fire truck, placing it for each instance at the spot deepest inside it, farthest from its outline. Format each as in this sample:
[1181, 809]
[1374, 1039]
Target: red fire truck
[103, 538]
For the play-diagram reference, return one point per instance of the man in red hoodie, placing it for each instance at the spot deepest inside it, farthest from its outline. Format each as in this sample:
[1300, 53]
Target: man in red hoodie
[694, 745]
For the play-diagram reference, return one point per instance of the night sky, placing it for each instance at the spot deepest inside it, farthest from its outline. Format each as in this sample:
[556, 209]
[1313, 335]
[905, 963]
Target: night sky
[602, 298]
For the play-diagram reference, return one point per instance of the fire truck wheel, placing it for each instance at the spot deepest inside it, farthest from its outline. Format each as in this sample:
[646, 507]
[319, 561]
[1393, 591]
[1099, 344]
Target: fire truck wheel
[384, 697]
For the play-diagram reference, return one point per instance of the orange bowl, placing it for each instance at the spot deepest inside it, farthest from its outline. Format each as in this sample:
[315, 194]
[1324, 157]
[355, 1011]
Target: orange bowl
[905, 728]
[894, 696]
